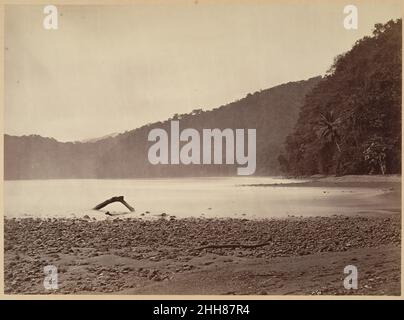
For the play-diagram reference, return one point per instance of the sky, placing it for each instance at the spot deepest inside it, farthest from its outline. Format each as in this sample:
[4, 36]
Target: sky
[109, 69]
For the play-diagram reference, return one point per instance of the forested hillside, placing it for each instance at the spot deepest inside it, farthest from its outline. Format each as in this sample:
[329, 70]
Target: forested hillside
[351, 121]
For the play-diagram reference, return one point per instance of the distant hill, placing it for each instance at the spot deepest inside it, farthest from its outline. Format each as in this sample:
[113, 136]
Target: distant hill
[273, 112]
[112, 135]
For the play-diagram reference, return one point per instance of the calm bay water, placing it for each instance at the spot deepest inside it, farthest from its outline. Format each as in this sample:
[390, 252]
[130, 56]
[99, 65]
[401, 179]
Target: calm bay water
[187, 197]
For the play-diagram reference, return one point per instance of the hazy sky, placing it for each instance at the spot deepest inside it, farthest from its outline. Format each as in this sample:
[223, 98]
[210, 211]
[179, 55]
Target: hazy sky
[113, 68]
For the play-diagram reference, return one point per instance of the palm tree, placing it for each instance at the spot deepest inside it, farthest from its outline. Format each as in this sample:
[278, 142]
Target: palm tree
[328, 131]
[329, 127]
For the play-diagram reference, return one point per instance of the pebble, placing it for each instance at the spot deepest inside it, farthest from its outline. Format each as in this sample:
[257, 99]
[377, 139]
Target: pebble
[27, 239]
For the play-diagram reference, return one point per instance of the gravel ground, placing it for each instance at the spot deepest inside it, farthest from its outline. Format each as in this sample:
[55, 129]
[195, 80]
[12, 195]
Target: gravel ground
[125, 255]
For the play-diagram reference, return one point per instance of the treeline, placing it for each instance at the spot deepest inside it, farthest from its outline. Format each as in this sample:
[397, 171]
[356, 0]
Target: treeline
[350, 122]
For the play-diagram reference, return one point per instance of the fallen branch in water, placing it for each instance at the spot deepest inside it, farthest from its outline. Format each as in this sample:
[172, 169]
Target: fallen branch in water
[114, 199]
[235, 245]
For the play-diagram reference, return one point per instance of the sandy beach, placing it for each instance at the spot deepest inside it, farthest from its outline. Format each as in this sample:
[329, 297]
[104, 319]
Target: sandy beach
[295, 255]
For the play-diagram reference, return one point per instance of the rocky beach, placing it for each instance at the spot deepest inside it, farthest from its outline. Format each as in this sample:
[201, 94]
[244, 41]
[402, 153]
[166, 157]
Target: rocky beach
[296, 256]
[213, 150]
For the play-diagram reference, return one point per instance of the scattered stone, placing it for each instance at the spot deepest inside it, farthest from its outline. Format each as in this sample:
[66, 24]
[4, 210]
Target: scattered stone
[28, 240]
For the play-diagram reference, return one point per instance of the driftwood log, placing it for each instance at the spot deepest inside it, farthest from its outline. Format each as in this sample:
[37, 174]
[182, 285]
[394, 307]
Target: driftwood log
[235, 245]
[114, 199]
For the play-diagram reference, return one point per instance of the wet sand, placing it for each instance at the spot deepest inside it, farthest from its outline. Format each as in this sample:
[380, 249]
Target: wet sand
[302, 256]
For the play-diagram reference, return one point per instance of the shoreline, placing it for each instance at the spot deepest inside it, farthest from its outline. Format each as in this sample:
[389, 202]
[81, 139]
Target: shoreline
[133, 256]
[348, 181]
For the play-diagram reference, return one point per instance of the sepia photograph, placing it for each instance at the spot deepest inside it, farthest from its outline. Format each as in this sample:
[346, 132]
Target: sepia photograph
[201, 148]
